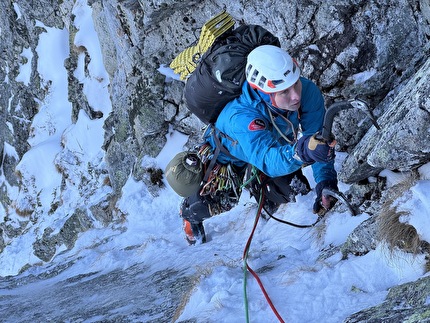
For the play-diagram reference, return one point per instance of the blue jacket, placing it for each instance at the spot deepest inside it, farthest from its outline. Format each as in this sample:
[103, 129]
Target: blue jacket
[251, 137]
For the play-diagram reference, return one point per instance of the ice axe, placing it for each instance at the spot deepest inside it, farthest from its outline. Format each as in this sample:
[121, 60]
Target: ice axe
[333, 109]
[326, 135]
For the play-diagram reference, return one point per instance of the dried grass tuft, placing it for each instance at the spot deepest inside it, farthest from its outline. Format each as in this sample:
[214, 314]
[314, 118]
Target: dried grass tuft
[395, 233]
[398, 234]
[187, 296]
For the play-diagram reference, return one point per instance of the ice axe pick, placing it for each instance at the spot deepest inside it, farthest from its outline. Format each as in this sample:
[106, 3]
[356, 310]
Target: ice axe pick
[334, 108]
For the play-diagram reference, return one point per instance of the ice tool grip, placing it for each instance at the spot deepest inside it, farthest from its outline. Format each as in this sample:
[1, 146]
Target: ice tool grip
[340, 197]
[333, 109]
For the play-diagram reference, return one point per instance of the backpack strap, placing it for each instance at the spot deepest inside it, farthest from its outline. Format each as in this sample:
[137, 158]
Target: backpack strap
[215, 132]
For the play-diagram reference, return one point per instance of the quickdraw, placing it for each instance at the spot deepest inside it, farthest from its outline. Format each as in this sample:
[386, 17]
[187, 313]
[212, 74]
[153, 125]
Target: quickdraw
[205, 153]
[221, 178]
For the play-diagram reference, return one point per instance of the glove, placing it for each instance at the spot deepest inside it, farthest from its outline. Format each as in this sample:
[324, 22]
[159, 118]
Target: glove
[310, 149]
[324, 203]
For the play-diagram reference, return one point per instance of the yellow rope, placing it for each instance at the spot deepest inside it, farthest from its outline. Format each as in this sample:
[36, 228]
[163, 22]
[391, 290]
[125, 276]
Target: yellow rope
[186, 62]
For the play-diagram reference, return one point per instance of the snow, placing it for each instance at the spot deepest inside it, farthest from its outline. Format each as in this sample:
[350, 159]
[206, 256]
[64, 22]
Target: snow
[25, 69]
[424, 171]
[394, 178]
[17, 11]
[168, 72]
[363, 76]
[418, 204]
[9, 150]
[301, 287]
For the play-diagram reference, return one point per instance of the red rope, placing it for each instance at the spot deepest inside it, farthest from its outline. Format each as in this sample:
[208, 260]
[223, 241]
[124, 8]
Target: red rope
[245, 257]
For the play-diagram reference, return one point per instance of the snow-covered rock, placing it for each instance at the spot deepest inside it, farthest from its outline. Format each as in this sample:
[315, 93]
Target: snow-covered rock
[87, 111]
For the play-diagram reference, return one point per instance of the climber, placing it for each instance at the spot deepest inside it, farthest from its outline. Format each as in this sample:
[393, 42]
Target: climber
[261, 128]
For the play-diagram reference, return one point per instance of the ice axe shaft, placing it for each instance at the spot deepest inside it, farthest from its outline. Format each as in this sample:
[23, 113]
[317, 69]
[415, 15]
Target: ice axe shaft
[340, 197]
[333, 109]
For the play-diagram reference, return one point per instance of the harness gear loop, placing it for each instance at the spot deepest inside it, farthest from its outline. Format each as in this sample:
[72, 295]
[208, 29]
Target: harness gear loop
[219, 178]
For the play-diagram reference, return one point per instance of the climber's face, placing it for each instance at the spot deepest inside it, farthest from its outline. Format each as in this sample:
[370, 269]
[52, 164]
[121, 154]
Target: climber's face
[290, 98]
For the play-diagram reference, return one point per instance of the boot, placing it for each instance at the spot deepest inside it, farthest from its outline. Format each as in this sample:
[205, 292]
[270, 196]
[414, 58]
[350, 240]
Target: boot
[194, 232]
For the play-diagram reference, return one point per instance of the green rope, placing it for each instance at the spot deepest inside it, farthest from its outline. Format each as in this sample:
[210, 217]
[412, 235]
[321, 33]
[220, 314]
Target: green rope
[245, 259]
[254, 175]
[245, 296]
[245, 255]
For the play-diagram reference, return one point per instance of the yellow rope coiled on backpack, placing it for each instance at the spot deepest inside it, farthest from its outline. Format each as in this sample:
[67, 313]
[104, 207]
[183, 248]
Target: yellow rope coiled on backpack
[186, 62]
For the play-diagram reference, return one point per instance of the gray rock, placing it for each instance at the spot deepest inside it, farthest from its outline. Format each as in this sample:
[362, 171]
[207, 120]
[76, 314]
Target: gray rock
[404, 303]
[46, 247]
[361, 240]
[375, 50]
[155, 296]
[403, 142]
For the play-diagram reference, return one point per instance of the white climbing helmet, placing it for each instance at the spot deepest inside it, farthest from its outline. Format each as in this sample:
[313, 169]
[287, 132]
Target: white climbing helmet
[270, 69]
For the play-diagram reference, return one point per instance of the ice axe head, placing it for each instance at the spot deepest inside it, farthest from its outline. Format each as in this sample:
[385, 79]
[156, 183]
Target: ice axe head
[362, 105]
[333, 109]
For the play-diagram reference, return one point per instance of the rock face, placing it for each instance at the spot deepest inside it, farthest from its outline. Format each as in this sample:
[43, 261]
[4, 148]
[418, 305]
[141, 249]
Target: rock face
[404, 303]
[375, 50]
[403, 143]
[114, 290]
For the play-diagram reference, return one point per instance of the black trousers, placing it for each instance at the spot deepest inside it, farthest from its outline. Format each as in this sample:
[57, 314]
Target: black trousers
[281, 189]
[277, 190]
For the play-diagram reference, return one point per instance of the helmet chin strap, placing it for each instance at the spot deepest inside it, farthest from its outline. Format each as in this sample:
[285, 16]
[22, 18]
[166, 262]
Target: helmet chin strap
[271, 96]
[272, 100]
[272, 118]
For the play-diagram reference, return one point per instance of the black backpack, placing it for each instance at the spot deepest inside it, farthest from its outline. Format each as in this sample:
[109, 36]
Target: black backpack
[219, 75]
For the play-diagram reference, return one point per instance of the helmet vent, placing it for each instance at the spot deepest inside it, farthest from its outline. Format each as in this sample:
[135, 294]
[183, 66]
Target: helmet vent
[248, 69]
[254, 76]
[261, 82]
[277, 82]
